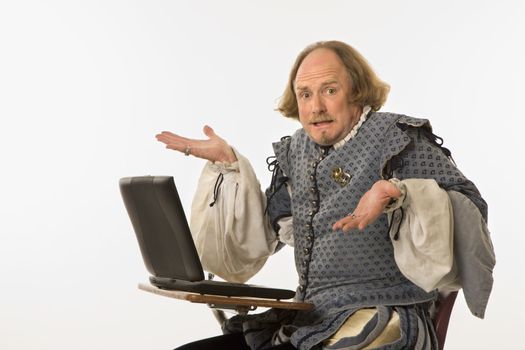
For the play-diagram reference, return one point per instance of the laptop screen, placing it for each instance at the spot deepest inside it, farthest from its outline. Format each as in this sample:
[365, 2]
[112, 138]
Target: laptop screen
[159, 222]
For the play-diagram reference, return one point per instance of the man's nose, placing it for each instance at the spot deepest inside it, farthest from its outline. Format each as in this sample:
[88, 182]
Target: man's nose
[318, 106]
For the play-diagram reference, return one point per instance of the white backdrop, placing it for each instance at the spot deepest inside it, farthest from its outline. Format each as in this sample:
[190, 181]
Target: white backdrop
[85, 86]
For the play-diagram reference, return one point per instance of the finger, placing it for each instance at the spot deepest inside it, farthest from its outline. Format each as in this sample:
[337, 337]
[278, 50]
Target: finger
[166, 135]
[361, 219]
[339, 224]
[344, 221]
[359, 223]
[164, 138]
[208, 131]
[172, 142]
[161, 135]
[350, 225]
[178, 147]
[362, 225]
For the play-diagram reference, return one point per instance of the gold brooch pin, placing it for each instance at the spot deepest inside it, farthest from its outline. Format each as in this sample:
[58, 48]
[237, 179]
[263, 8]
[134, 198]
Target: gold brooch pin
[339, 176]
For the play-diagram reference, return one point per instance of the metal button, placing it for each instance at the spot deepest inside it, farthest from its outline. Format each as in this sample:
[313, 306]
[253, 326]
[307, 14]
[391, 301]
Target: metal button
[306, 251]
[313, 189]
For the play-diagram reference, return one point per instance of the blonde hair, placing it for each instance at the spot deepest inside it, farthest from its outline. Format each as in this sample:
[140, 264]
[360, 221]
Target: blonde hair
[366, 88]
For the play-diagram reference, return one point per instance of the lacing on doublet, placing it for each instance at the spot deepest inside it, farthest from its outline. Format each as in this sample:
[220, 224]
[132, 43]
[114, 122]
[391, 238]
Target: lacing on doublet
[277, 181]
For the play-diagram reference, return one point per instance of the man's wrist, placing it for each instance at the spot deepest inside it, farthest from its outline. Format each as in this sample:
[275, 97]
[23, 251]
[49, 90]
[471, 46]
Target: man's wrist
[228, 162]
[397, 196]
[229, 156]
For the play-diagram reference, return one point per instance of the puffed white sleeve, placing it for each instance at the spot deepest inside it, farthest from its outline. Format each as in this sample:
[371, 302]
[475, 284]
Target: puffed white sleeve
[422, 233]
[441, 240]
[233, 236]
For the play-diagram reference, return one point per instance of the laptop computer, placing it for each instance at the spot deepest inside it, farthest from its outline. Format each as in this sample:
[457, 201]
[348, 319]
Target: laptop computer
[166, 243]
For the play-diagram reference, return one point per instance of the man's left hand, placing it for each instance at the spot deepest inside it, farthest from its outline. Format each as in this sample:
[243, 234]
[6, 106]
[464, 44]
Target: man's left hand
[370, 206]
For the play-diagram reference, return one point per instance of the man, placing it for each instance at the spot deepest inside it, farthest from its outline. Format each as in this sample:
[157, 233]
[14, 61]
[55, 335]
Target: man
[333, 181]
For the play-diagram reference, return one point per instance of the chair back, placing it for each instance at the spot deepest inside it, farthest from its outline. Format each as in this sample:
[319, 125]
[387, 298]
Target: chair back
[444, 309]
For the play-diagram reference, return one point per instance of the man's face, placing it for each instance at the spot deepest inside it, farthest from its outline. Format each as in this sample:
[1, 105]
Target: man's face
[322, 88]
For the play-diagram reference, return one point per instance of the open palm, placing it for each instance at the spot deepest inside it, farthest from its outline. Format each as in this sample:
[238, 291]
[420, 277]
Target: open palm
[214, 149]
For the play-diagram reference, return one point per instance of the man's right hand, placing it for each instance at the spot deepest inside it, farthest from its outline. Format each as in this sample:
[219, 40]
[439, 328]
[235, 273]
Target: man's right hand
[215, 149]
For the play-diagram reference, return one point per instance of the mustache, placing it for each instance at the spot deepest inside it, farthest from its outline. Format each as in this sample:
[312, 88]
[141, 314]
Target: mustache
[321, 118]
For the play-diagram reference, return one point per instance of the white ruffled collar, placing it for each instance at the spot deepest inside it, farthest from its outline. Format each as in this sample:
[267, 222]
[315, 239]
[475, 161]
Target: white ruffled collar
[354, 130]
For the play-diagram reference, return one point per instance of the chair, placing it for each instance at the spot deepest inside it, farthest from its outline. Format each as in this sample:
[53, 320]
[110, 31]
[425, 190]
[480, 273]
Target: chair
[444, 306]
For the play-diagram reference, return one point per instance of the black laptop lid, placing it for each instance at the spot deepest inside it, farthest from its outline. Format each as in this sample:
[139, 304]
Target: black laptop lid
[158, 219]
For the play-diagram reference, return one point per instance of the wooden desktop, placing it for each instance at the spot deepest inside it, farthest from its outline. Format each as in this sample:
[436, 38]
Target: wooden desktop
[240, 304]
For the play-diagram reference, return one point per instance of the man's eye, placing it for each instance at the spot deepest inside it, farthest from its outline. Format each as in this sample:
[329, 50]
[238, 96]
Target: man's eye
[304, 95]
[330, 91]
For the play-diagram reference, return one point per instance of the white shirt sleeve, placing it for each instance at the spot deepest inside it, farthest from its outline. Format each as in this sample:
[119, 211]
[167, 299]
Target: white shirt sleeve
[422, 233]
[442, 241]
[233, 237]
